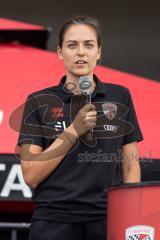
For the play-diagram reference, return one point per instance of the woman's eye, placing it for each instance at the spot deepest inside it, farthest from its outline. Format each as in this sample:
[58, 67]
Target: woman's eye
[89, 45]
[72, 45]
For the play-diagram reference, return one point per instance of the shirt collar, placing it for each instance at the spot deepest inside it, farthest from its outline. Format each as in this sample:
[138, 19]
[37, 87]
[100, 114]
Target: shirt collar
[66, 94]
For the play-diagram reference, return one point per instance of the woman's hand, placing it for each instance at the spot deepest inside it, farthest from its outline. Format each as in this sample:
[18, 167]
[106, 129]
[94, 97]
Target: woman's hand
[85, 119]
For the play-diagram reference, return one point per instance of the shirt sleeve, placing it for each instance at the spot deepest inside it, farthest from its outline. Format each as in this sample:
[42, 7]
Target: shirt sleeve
[30, 128]
[135, 134]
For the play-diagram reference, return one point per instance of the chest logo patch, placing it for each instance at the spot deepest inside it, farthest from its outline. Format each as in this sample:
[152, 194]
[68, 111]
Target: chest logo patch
[110, 110]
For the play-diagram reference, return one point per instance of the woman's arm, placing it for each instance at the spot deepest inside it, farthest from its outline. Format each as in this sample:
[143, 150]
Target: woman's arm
[131, 171]
[38, 164]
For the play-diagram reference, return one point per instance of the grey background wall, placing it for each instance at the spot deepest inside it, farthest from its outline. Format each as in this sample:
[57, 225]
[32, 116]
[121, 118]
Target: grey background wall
[130, 29]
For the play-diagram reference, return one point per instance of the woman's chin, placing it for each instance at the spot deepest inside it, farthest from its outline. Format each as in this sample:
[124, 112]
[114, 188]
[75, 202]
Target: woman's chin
[82, 73]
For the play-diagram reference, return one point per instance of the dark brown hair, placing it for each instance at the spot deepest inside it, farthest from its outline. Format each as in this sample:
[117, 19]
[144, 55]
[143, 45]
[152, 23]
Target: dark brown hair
[80, 20]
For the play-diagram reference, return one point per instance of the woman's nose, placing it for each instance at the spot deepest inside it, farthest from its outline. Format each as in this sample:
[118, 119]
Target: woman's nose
[80, 50]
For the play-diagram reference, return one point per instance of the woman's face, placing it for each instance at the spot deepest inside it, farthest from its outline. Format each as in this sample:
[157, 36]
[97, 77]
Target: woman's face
[80, 50]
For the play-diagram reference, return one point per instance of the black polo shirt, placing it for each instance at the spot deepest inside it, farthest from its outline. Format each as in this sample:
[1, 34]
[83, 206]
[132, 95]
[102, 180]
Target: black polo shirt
[75, 191]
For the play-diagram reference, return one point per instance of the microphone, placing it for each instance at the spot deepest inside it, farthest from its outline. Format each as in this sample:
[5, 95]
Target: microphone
[84, 85]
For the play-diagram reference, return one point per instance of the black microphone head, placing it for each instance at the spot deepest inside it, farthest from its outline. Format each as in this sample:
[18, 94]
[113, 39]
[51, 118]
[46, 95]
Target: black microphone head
[85, 84]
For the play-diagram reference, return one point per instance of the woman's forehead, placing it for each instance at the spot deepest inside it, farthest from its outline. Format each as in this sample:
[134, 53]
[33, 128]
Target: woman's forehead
[80, 32]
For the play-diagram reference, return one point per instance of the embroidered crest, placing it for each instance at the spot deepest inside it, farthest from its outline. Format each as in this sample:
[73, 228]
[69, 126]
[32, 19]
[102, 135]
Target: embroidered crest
[110, 110]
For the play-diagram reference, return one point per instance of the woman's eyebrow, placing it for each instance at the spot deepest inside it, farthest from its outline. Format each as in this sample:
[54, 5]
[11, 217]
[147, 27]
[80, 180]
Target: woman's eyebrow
[77, 41]
[89, 41]
[71, 41]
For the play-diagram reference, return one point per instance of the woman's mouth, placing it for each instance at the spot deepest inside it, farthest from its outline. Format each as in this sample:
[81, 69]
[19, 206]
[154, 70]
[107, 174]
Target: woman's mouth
[80, 63]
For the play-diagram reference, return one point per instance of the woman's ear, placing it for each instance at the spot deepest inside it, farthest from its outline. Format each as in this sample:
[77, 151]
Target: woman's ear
[59, 52]
[99, 56]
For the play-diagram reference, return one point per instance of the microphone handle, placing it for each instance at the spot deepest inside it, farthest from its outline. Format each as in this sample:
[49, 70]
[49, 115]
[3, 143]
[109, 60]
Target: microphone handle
[90, 134]
[89, 98]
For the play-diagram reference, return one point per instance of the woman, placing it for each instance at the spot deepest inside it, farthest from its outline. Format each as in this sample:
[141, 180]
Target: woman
[69, 177]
